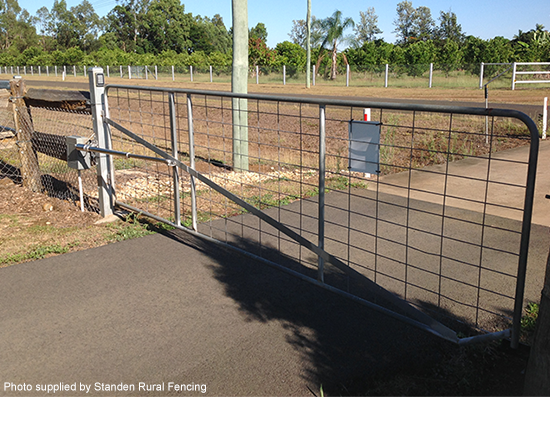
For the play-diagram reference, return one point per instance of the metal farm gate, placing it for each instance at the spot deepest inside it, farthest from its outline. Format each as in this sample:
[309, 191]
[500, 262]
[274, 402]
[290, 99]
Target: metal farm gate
[419, 237]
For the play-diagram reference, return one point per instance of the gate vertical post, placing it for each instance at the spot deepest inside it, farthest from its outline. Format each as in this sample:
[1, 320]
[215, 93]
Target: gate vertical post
[514, 77]
[386, 76]
[175, 168]
[525, 233]
[321, 208]
[104, 163]
[192, 161]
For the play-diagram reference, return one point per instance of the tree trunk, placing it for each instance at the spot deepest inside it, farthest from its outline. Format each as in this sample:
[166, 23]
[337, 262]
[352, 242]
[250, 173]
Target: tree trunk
[333, 70]
[537, 377]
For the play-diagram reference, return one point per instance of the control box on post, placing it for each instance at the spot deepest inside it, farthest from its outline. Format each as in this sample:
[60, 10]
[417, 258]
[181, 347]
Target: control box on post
[77, 159]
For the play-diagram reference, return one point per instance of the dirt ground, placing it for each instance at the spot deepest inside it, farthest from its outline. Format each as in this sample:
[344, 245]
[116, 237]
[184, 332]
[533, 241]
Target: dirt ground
[523, 95]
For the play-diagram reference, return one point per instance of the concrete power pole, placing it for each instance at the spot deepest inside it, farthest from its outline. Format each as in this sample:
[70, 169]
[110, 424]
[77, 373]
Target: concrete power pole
[308, 44]
[239, 84]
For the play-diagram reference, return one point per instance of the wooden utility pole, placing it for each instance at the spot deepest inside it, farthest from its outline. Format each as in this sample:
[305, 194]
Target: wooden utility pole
[239, 84]
[30, 170]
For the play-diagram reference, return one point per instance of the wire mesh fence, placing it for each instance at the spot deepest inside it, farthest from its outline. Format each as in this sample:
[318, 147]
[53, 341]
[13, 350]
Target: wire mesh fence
[430, 226]
[436, 75]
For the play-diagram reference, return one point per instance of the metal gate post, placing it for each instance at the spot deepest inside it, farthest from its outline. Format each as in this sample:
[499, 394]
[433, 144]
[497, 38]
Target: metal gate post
[104, 162]
[175, 168]
[192, 161]
[321, 208]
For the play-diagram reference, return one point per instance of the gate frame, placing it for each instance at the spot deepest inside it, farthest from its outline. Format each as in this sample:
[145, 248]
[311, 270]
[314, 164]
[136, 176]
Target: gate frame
[323, 256]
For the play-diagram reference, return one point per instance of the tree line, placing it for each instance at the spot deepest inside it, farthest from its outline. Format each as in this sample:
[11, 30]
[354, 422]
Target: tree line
[160, 32]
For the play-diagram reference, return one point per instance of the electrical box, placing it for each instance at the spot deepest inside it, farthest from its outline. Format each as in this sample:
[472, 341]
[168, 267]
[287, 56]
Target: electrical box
[364, 146]
[77, 159]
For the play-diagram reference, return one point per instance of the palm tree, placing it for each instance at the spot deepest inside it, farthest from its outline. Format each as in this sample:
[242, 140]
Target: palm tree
[333, 28]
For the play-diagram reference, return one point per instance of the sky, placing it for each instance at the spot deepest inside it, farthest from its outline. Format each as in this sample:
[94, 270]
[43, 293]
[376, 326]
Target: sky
[485, 19]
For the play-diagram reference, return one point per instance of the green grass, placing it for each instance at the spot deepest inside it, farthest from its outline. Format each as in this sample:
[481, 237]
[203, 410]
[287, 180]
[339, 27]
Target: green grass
[529, 321]
[135, 227]
[38, 252]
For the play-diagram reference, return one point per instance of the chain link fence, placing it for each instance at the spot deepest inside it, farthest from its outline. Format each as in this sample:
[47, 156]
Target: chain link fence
[33, 149]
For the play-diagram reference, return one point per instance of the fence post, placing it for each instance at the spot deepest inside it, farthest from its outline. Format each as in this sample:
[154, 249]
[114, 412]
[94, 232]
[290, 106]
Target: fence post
[121, 75]
[313, 75]
[284, 75]
[210, 74]
[482, 69]
[74, 71]
[129, 72]
[257, 75]
[30, 169]
[321, 208]
[146, 74]
[108, 72]
[514, 77]
[156, 73]
[347, 74]
[431, 73]
[173, 78]
[191, 72]
[104, 163]
[386, 76]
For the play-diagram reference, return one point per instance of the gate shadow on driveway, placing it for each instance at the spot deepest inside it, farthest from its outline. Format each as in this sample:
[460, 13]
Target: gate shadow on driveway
[337, 340]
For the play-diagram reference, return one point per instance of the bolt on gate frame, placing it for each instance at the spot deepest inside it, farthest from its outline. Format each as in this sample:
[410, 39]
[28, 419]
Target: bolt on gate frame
[419, 240]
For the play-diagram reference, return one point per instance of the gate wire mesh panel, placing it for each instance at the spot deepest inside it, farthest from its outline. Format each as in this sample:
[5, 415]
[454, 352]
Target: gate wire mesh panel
[431, 227]
[144, 184]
